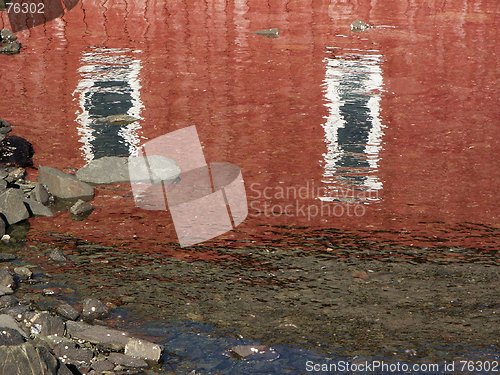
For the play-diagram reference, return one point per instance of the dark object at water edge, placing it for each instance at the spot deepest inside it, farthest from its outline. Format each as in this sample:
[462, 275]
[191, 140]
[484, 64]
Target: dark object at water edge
[16, 151]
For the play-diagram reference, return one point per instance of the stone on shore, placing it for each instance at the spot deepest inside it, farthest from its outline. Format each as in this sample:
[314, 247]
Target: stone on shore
[63, 185]
[40, 194]
[104, 337]
[12, 206]
[24, 273]
[126, 361]
[27, 359]
[81, 208]
[106, 170]
[38, 209]
[7, 321]
[143, 349]
[70, 354]
[94, 309]
[16, 151]
[9, 337]
[57, 256]
[6, 257]
[45, 324]
[67, 311]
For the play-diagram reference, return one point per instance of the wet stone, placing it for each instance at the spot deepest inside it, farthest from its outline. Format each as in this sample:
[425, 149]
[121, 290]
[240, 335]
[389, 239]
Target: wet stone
[6, 257]
[27, 359]
[81, 208]
[24, 273]
[105, 337]
[103, 365]
[70, 354]
[67, 311]
[9, 336]
[127, 361]
[94, 309]
[7, 279]
[143, 349]
[45, 324]
[7, 321]
[8, 301]
[57, 256]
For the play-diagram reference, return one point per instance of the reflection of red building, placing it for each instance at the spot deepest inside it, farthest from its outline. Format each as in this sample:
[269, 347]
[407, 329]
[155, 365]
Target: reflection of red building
[259, 102]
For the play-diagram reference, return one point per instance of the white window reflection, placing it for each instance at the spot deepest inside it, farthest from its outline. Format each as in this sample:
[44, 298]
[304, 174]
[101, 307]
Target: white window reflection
[109, 86]
[353, 129]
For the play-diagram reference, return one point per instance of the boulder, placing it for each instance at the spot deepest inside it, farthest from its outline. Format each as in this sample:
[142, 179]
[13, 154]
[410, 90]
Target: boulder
[40, 194]
[10, 48]
[45, 324]
[38, 209]
[81, 208]
[27, 359]
[24, 273]
[106, 170]
[9, 336]
[7, 321]
[7, 36]
[63, 185]
[104, 337]
[12, 206]
[67, 311]
[70, 354]
[126, 361]
[143, 349]
[93, 309]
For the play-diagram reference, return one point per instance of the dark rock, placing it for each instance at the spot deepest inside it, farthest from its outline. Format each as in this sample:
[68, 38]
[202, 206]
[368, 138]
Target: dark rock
[67, 311]
[37, 208]
[45, 324]
[57, 256]
[9, 336]
[103, 365]
[7, 321]
[94, 309]
[8, 301]
[17, 311]
[16, 151]
[126, 361]
[105, 337]
[106, 170]
[70, 354]
[81, 208]
[244, 351]
[12, 206]
[27, 359]
[6, 257]
[7, 279]
[64, 370]
[40, 194]
[143, 349]
[63, 185]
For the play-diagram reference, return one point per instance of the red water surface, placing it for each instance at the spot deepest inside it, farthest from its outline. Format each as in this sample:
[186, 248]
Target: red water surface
[260, 103]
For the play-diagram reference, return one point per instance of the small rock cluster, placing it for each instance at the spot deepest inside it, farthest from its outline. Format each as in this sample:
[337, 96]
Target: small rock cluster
[20, 198]
[57, 343]
[8, 42]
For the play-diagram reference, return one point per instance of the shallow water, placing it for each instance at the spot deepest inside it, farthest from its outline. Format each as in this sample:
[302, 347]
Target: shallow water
[368, 142]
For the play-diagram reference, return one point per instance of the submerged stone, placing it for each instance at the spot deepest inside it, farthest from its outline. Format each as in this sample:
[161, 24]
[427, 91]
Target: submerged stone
[122, 119]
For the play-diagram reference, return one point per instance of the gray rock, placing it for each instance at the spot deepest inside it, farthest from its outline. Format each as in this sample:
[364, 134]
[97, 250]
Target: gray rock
[121, 119]
[270, 33]
[10, 48]
[64, 370]
[7, 321]
[52, 340]
[38, 209]
[12, 206]
[67, 311]
[106, 170]
[143, 349]
[6, 257]
[40, 194]
[7, 278]
[27, 359]
[9, 336]
[81, 208]
[2, 232]
[70, 354]
[8, 301]
[24, 273]
[104, 337]
[14, 174]
[3, 185]
[244, 351]
[57, 256]
[5, 128]
[7, 36]
[45, 324]
[360, 26]
[126, 361]
[63, 185]
[103, 365]
[4, 290]
[94, 309]
[18, 312]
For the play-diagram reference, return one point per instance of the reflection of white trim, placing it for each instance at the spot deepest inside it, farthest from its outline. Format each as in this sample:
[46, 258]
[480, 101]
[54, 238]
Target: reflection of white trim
[339, 73]
[102, 65]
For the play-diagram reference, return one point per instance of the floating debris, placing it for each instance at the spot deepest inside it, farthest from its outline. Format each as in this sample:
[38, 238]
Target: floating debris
[269, 33]
[360, 26]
